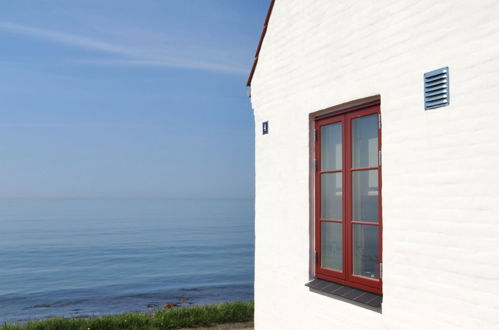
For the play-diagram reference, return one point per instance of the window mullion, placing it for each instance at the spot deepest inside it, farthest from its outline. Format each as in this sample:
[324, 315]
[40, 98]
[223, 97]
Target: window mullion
[346, 199]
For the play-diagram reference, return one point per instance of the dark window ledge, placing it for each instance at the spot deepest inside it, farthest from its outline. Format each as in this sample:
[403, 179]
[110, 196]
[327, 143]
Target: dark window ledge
[346, 292]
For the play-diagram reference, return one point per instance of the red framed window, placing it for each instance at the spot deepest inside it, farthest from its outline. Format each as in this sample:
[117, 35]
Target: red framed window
[348, 222]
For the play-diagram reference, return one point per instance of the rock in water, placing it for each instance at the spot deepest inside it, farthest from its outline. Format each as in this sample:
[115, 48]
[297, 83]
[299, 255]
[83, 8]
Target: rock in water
[168, 306]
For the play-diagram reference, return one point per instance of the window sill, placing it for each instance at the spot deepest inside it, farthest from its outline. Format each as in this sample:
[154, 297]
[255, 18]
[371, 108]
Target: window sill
[345, 292]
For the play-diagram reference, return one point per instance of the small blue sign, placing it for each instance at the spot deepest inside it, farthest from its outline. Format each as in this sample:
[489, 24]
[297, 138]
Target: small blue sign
[265, 127]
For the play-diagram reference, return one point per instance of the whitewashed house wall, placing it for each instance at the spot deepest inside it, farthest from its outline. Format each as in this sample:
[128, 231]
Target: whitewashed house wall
[440, 167]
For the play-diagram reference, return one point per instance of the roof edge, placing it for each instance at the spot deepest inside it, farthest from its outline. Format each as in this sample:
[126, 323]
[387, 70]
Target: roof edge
[262, 36]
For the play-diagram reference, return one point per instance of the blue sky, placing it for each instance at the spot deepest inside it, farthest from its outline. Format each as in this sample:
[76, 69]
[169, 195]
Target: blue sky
[127, 99]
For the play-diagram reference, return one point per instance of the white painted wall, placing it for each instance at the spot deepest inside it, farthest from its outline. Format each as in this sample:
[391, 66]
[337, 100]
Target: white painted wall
[440, 167]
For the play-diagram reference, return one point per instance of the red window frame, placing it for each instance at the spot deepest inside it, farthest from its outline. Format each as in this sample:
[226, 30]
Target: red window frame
[346, 276]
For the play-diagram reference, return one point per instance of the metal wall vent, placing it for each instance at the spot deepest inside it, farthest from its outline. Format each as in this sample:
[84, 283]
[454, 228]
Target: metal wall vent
[436, 88]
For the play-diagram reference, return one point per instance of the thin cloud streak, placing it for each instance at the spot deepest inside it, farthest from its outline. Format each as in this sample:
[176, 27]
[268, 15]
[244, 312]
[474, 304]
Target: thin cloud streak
[129, 56]
[170, 64]
[62, 38]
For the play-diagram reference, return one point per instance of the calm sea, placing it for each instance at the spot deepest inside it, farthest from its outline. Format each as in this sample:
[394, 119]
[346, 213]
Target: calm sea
[78, 258]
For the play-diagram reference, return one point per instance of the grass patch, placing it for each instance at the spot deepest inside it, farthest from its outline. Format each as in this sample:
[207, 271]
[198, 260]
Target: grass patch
[185, 317]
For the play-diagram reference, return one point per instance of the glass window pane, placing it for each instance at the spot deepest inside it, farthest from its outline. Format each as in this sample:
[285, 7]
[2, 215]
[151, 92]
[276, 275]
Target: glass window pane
[332, 245]
[365, 141]
[365, 251]
[331, 196]
[365, 195]
[331, 147]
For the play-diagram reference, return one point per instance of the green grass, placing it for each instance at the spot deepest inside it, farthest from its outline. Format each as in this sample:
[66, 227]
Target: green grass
[186, 317]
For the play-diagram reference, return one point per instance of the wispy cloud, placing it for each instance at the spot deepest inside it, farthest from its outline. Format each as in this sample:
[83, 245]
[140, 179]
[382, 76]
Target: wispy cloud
[125, 55]
[63, 38]
[170, 63]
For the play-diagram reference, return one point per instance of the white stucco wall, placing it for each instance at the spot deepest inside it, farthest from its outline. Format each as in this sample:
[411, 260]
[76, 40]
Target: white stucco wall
[440, 167]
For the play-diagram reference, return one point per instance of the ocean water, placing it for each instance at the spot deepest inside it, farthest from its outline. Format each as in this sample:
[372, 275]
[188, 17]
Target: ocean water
[79, 258]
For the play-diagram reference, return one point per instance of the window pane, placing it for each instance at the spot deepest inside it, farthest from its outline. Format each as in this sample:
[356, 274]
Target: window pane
[365, 195]
[331, 142]
[365, 141]
[365, 251]
[332, 245]
[331, 196]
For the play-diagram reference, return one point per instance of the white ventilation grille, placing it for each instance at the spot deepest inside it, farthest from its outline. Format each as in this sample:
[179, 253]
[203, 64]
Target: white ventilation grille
[436, 88]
